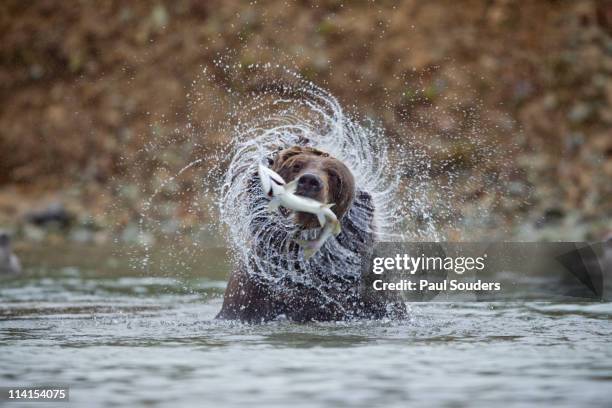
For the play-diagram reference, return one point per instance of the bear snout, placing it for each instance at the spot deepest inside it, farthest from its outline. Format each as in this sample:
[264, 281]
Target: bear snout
[309, 185]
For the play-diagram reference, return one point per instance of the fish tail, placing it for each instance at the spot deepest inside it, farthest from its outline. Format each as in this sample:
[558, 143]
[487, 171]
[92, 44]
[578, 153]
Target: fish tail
[321, 219]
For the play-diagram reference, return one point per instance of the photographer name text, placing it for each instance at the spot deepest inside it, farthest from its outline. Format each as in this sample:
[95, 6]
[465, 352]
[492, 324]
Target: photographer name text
[404, 263]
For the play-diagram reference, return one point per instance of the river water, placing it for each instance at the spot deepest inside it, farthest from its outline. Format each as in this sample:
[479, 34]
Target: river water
[84, 318]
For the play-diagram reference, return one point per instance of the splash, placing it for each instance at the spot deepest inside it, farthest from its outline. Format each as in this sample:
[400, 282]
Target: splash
[252, 112]
[303, 114]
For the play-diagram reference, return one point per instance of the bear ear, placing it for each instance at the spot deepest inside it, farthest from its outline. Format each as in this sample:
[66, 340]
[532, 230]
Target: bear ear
[314, 151]
[285, 154]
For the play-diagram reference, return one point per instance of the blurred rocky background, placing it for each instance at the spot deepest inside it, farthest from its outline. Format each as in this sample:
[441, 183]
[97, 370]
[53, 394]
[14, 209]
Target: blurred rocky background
[95, 98]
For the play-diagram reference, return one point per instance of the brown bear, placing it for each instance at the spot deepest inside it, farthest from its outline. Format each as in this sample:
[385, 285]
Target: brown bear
[338, 294]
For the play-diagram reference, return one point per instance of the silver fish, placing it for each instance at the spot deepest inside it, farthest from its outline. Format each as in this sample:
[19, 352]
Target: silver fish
[283, 194]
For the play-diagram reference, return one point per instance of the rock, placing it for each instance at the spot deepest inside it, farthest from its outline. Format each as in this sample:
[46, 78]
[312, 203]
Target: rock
[159, 17]
[9, 263]
[53, 215]
[580, 112]
[33, 233]
[550, 101]
[550, 216]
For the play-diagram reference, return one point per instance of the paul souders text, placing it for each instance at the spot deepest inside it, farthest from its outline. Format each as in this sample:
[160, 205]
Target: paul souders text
[424, 284]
